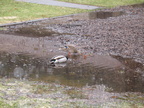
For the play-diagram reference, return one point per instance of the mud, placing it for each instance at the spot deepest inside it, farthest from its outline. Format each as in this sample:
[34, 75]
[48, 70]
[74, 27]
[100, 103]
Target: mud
[110, 81]
[113, 39]
[118, 31]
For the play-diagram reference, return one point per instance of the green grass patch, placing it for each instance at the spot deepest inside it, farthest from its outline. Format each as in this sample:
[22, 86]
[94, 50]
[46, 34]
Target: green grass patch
[106, 3]
[29, 94]
[12, 11]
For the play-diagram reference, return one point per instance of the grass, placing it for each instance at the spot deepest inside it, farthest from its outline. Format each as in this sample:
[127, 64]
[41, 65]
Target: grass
[12, 11]
[106, 3]
[29, 94]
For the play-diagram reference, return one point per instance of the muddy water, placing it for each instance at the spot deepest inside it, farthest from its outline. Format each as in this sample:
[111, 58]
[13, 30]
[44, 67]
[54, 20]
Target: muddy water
[116, 73]
[104, 15]
[40, 47]
[27, 58]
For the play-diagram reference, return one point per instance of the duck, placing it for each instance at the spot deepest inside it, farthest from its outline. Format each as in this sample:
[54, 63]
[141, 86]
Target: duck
[58, 59]
[71, 49]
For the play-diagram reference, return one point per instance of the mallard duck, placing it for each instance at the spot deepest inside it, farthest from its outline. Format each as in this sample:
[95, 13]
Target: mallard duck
[58, 59]
[71, 49]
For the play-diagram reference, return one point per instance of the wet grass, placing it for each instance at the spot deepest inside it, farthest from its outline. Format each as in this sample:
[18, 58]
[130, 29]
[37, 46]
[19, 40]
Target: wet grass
[134, 98]
[106, 3]
[123, 104]
[73, 93]
[49, 88]
[12, 11]
[29, 94]
[5, 105]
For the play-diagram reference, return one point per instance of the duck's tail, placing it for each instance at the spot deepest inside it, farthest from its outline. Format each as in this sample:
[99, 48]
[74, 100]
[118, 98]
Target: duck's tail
[52, 61]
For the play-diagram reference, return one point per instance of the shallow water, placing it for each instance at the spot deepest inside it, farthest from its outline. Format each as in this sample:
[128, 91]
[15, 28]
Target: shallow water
[116, 73]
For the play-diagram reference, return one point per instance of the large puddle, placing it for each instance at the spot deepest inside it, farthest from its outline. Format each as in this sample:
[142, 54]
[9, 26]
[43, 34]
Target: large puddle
[116, 73]
[95, 79]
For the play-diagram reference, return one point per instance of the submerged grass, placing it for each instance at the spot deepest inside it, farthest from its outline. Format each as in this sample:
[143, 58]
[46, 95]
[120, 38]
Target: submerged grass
[13, 11]
[106, 3]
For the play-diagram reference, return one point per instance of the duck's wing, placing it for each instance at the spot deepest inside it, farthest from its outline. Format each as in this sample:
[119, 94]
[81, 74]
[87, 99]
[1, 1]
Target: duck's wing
[58, 57]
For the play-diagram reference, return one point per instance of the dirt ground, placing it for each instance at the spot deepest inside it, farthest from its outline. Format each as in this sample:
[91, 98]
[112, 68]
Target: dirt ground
[116, 31]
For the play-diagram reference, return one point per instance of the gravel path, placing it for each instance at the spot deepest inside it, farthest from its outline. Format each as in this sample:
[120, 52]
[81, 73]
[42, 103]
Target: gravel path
[59, 3]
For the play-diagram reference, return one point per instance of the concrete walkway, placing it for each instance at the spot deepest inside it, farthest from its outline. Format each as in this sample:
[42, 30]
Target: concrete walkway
[59, 3]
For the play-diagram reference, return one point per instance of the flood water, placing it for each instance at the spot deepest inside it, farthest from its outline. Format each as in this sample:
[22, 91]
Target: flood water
[116, 73]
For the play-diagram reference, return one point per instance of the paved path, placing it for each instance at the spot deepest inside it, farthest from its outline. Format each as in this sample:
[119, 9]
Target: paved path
[59, 3]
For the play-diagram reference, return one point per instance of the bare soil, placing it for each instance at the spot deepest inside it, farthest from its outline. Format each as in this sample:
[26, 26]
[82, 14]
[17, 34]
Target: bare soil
[119, 34]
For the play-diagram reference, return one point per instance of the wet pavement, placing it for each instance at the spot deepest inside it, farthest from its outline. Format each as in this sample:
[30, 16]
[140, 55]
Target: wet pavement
[59, 3]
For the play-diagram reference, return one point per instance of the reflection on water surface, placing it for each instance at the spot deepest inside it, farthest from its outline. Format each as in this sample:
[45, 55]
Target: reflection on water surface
[124, 75]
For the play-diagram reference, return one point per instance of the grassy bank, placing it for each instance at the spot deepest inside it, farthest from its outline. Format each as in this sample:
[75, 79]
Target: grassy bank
[30, 94]
[26, 94]
[106, 3]
[12, 11]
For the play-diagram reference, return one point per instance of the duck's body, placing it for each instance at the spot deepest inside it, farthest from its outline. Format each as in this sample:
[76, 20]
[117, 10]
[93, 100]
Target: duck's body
[71, 49]
[59, 59]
